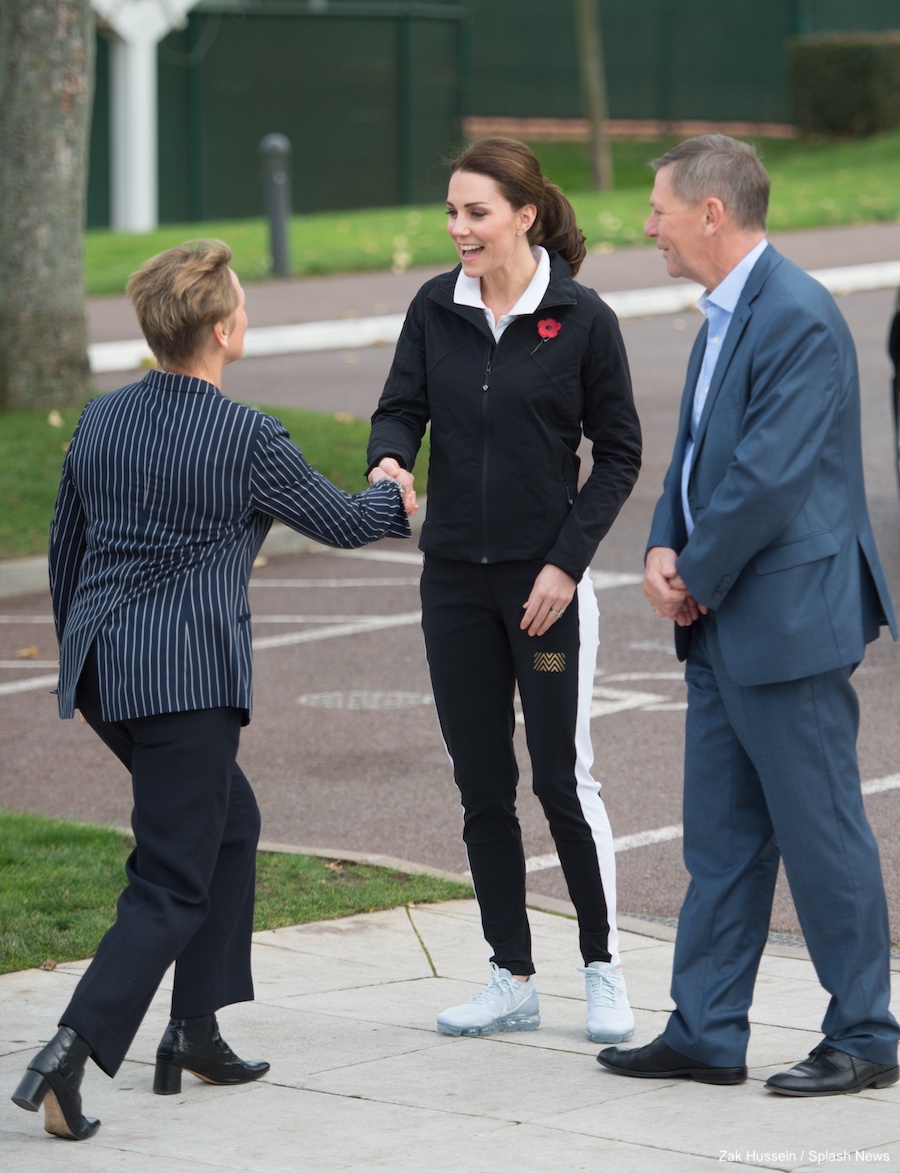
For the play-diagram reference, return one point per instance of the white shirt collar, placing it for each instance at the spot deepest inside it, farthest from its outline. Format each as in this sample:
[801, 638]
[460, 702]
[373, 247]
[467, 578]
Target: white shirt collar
[728, 292]
[468, 289]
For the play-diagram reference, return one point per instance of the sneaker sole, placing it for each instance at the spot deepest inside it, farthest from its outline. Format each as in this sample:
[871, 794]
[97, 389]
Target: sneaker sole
[499, 1026]
[598, 1037]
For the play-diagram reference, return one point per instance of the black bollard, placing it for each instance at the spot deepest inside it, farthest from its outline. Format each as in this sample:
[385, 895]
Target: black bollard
[276, 156]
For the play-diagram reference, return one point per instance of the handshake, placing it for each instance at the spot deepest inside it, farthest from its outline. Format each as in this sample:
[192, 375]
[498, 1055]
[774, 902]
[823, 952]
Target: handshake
[389, 469]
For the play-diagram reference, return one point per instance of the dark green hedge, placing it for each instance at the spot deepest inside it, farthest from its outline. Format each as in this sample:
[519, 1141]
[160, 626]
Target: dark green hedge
[845, 84]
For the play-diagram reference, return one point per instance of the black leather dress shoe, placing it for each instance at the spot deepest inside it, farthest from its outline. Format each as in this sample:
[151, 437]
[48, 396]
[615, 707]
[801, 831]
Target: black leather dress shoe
[658, 1061]
[195, 1045]
[54, 1079]
[830, 1072]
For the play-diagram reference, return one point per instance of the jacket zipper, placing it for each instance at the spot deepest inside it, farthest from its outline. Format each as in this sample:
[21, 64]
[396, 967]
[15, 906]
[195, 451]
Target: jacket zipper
[484, 453]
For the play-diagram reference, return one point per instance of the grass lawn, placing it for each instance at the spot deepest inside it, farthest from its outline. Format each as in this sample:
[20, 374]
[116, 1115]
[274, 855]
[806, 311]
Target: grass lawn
[813, 183]
[32, 445]
[61, 881]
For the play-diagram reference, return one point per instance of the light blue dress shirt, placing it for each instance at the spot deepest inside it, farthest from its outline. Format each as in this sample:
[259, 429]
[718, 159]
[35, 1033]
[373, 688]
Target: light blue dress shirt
[718, 306]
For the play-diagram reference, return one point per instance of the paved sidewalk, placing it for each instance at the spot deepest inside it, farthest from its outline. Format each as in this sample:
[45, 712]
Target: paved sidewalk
[361, 1081]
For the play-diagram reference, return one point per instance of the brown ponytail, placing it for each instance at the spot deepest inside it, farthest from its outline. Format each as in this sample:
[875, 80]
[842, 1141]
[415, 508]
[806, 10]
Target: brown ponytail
[517, 173]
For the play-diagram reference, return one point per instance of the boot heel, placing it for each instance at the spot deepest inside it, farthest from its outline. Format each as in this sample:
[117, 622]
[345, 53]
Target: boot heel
[167, 1080]
[31, 1091]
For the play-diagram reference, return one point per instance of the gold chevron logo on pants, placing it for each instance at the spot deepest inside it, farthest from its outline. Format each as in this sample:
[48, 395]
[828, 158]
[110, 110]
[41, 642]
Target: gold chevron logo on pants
[549, 661]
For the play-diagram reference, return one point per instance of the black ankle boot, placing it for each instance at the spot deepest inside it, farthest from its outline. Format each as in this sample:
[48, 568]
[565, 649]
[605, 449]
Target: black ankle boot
[53, 1079]
[195, 1045]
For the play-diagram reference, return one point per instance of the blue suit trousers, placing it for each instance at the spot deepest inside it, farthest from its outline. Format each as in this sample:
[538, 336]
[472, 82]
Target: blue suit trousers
[771, 772]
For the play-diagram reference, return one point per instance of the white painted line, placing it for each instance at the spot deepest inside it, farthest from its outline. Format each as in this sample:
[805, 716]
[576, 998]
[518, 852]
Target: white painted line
[353, 333]
[362, 699]
[859, 278]
[879, 785]
[26, 619]
[647, 838]
[25, 663]
[377, 555]
[369, 620]
[343, 334]
[643, 676]
[33, 684]
[331, 583]
[605, 580]
[355, 628]
[619, 700]
[539, 863]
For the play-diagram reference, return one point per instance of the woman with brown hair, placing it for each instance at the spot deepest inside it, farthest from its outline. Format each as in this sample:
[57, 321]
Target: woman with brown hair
[168, 490]
[511, 362]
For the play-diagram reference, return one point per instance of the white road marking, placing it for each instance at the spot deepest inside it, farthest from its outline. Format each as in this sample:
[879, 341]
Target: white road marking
[354, 333]
[331, 583]
[26, 619]
[879, 785]
[605, 580]
[370, 619]
[617, 676]
[376, 623]
[29, 685]
[540, 863]
[360, 699]
[26, 663]
[376, 555]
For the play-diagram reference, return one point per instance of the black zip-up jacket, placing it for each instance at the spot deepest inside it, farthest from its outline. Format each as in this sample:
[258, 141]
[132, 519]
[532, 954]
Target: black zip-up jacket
[506, 422]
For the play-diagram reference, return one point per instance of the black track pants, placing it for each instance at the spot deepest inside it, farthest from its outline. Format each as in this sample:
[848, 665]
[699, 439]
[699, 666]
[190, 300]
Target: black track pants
[477, 654]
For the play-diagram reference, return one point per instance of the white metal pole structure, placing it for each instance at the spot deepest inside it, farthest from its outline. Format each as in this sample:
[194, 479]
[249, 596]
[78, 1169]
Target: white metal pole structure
[137, 26]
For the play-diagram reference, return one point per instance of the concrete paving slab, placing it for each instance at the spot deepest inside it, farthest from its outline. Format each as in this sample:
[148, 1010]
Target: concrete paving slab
[540, 1150]
[493, 1078]
[361, 1080]
[710, 1121]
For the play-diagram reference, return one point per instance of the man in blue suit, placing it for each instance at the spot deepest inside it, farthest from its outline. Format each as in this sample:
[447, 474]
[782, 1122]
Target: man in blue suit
[762, 553]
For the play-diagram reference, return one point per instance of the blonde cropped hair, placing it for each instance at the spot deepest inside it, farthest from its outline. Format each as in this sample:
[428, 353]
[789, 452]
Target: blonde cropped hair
[178, 296]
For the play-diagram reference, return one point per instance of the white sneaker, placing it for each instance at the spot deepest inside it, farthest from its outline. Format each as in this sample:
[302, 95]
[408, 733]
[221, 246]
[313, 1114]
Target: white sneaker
[610, 1018]
[505, 1004]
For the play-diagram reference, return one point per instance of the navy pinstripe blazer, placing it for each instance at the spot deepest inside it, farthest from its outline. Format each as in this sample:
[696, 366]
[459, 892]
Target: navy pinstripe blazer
[168, 490]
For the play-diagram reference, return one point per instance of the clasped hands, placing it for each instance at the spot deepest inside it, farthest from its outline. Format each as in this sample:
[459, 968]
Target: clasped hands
[390, 468]
[666, 591]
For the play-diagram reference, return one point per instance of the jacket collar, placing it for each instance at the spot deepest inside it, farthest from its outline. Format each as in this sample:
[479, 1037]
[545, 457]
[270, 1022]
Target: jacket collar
[157, 380]
[562, 290]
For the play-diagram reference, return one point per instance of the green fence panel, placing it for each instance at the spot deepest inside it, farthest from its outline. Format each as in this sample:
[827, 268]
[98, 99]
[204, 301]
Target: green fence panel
[371, 96]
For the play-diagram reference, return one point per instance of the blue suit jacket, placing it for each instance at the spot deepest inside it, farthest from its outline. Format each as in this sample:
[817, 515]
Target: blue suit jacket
[168, 490]
[782, 548]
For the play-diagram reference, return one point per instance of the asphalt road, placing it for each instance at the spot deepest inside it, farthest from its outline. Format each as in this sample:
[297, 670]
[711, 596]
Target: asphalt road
[344, 750]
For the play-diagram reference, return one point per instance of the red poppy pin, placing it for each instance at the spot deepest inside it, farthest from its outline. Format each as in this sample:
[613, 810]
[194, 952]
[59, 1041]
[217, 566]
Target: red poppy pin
[547, 328]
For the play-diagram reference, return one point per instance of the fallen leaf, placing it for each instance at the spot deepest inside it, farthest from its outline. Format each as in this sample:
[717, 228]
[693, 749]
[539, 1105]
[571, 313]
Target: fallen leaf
[29, 653]
[49, 964]
[54, 419]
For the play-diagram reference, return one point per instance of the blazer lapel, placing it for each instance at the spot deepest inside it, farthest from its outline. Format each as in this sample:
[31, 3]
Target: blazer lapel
[743, 311]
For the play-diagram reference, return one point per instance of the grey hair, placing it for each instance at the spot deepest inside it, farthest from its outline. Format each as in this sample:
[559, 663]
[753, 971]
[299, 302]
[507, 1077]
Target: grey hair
[720, 166]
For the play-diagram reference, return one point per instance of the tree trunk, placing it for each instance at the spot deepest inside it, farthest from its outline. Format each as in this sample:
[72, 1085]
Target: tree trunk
[593, 88]
[46, 90]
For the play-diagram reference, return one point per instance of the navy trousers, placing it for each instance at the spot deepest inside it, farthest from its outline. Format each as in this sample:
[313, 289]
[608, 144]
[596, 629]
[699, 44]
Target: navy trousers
[191, 876]
[771, 771]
